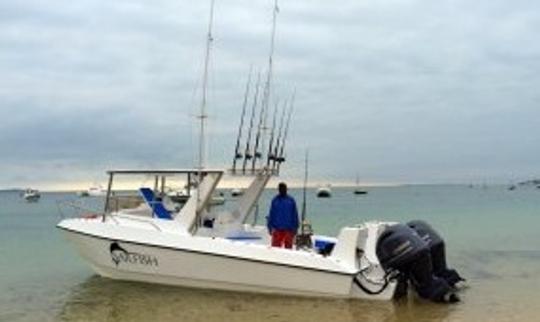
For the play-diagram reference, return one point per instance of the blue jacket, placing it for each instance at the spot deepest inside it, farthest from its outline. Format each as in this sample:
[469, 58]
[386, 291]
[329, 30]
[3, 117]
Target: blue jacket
[283, 214]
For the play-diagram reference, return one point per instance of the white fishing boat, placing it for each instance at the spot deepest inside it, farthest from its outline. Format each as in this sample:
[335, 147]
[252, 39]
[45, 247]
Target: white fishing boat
[31, 195]
[324, 192]
[203, 246]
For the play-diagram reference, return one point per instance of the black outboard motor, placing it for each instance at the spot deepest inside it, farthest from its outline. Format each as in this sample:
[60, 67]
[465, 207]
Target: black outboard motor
[400, 248]
[437, 250]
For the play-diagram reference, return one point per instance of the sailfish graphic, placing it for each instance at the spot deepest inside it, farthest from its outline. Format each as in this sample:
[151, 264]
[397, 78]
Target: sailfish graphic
[114, 249]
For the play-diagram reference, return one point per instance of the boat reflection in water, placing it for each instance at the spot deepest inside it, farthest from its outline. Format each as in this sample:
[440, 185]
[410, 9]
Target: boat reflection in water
[99, 299]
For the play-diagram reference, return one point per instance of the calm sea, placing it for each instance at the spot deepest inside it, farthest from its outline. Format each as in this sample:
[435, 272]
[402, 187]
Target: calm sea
[492, 236]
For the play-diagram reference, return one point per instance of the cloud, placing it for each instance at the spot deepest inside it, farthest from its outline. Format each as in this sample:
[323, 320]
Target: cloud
[409, 91]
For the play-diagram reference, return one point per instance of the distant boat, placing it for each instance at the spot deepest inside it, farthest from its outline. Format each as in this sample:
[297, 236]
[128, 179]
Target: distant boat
[237, 192]
[324, 192]
[96, 191]
[358, 190]
[83, 193]
[182, 196]
[31, 195]
[512, 187]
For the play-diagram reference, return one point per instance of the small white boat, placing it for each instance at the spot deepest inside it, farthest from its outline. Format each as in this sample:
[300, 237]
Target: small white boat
[324, 192]
[237, 192]
[31, 195]
[96, 191]
[182, 196]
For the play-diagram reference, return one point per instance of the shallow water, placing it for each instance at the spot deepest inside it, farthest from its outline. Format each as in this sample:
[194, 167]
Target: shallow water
[491, 234]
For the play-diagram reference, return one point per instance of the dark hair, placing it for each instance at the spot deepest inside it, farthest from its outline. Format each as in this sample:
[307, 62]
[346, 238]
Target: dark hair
[282, 185]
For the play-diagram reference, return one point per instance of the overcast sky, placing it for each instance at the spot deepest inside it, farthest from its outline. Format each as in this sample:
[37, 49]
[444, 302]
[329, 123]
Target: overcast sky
[397, 91]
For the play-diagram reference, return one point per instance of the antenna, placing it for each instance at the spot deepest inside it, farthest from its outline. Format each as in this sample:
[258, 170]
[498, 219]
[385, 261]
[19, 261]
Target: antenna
[303, 240]
[247, 155]
[303, 216]
[237, 154]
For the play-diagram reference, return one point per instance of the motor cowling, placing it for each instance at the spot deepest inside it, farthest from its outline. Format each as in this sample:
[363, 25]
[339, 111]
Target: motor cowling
[437, 251]
[400, 248]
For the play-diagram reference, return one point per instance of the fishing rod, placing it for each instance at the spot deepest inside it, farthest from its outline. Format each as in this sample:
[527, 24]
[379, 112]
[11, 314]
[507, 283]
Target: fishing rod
[237, 154]
[279, 138]
[272, 132]
[281, 158]
[256, 153]
[247, 155]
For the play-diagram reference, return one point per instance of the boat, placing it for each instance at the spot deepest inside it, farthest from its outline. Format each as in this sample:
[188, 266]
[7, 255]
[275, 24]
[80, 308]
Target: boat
[324, 192]
[358, 190]
[237, 192]
[31, 195]
[202, 246]
[96, 191]
[196, 246]
[183, 195]
[83, 193]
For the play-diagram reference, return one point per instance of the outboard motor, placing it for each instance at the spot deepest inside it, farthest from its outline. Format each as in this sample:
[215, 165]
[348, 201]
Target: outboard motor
[437, 251]
[400, 248]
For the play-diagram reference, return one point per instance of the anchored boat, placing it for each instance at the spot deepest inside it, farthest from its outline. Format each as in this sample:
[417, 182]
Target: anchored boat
[324, 192]
[149, 239]
[31, 195]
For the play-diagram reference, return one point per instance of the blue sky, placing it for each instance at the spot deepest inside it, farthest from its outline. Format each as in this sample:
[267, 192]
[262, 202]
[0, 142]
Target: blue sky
[396, 91]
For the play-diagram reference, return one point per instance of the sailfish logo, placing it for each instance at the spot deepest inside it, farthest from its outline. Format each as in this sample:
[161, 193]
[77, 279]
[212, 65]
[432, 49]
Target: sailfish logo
[120, 255]
[117, 252]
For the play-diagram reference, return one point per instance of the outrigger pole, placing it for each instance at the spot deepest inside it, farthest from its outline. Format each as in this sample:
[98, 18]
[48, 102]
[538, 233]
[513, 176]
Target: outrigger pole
[203, 116]
[237, 154]
[247, 154]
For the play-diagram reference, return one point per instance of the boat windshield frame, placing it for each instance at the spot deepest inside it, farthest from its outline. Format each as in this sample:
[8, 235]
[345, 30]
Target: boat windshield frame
[159, 175]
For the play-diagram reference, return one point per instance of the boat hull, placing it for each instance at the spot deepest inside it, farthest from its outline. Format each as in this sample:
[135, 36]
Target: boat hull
[124, 260]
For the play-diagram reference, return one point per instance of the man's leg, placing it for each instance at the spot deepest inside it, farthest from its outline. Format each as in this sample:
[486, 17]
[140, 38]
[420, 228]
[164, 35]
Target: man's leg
[277, 238]
[288, 239]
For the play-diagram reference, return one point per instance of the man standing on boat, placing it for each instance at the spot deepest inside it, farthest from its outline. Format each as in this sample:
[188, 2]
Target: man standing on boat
[283, 218]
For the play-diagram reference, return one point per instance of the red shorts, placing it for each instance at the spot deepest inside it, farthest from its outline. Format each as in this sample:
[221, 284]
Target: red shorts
[282, 238]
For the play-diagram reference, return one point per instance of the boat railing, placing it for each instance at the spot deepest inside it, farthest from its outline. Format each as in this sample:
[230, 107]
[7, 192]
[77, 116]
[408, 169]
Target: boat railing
[73, 209]
[145, 220]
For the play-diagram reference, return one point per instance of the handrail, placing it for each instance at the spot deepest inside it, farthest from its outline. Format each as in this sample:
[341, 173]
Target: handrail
[136, 219]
